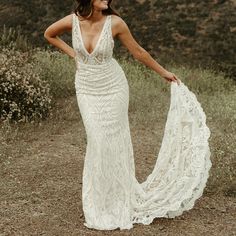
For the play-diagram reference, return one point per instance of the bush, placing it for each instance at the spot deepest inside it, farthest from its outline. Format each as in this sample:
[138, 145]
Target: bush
[23, 95]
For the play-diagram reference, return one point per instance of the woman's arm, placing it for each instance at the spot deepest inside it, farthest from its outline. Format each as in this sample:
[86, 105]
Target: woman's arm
[123, 33]
[57, 28]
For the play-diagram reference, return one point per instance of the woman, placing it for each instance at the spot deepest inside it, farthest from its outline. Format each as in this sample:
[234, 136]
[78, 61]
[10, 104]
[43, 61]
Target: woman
[112, 197]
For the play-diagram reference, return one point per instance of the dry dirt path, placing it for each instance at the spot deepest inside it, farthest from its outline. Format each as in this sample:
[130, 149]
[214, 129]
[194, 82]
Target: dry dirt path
[41, 188]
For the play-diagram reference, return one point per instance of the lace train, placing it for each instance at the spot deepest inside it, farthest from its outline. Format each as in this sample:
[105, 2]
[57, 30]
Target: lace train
[183, 163]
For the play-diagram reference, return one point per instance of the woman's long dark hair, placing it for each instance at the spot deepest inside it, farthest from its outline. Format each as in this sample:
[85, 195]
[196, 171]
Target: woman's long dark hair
[84, 9]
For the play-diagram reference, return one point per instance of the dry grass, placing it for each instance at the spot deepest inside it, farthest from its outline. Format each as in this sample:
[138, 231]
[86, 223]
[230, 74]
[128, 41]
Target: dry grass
[41, 163]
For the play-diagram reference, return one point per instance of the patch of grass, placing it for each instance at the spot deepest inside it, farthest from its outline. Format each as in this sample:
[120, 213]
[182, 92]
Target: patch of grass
[58, 70]
[14, 38]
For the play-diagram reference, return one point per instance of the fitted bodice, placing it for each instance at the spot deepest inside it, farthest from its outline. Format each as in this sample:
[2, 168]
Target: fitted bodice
[103, 50]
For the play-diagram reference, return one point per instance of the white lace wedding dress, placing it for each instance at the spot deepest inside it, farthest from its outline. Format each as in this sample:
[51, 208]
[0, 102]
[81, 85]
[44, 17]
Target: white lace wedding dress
[111, 195]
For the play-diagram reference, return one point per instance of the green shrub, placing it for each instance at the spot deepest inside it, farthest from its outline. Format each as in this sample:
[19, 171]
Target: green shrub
[23, 95]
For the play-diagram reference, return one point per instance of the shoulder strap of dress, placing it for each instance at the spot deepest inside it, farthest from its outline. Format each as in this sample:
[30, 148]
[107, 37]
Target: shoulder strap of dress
[109, 20]
[73, 21]
[73, 18]
[109, 24]
[75, 25]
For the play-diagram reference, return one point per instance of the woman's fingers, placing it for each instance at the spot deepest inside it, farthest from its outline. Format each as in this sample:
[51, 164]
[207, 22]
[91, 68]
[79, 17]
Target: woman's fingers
[176, 79]
[171, 77]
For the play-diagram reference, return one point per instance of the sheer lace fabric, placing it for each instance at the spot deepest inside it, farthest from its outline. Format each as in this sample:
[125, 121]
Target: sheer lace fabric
[103, 50]
[111, 195]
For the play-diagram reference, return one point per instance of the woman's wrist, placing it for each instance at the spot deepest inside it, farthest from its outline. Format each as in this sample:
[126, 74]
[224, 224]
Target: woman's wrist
[163, 73]
[73, 55]
[161, 70]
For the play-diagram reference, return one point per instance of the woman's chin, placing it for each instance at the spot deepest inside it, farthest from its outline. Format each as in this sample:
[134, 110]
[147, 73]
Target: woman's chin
[105, 7]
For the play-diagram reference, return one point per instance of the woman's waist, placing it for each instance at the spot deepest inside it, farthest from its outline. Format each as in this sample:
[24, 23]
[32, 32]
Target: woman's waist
[102, 65]
[102, 76]
[105, 69]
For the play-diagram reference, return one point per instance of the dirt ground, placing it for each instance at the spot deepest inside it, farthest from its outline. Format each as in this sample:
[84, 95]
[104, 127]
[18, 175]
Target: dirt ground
[41, 180]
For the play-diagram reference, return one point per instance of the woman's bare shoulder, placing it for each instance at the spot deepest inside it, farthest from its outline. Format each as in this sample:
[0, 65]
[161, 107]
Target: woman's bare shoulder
[61, 25]
[117, 20]
[119, 24]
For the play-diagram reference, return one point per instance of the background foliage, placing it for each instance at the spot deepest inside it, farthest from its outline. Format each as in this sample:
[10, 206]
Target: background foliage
[196, 32]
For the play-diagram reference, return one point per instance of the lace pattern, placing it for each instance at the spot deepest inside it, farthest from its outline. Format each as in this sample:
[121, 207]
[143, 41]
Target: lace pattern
[102, 52]
[111, 195]
[183, 162]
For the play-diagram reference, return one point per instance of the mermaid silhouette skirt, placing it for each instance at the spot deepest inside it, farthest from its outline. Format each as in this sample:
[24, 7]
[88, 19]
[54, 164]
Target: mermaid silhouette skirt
[111, 195]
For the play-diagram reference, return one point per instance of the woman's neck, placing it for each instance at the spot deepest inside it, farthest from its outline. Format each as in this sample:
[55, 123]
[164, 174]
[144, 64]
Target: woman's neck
[96, 16]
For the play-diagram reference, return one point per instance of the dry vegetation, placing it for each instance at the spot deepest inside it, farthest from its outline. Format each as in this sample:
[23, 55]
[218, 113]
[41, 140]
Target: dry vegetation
[190, 31]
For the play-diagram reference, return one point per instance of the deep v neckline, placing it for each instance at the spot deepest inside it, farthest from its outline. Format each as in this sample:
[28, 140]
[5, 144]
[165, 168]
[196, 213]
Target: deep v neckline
[99, 37]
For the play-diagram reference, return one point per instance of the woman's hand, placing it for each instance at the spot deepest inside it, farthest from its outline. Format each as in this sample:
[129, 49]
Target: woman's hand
[169, 77]
[73, 54]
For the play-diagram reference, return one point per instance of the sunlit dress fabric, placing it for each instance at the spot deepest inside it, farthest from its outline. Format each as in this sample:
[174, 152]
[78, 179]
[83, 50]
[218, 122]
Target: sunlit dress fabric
[112, 197]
